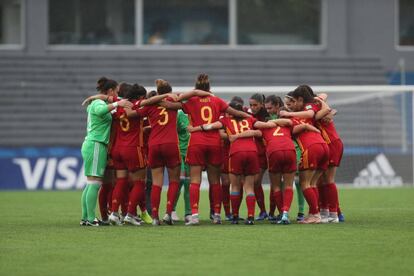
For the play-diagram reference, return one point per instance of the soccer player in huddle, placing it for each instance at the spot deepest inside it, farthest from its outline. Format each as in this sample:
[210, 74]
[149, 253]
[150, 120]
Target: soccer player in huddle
[259, 112]
[94, 148]
[315, 151]
[243, 159]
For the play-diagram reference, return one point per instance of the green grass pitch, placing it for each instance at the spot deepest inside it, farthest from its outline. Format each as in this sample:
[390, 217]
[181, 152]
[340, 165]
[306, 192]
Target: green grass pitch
[40, 235]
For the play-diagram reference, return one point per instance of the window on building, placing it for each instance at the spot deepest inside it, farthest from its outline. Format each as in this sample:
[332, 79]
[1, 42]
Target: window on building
[406, 23]
[184, 22]
[279, 22]
[92, 22]
[10, 22]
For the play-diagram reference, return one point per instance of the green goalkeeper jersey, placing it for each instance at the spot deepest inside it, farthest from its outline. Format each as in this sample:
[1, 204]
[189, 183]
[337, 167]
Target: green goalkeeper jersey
[99, 122]
[183, 135]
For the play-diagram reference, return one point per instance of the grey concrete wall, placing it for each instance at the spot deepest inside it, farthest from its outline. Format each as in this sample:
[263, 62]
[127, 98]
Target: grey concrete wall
[354, 28]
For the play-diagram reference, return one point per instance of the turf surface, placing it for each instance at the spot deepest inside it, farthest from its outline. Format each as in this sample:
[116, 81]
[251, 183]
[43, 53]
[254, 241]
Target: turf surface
[40, 235]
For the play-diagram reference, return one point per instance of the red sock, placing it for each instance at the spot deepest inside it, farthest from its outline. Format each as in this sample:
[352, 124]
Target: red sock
[287, 198]
[109, 196]
[216, 194]
[322, 200]
[134, 195]
[332, 197]
[235, 203]
[173, 188]
[225, 196]
[272, 203]
[194, 197]
[258, 191]
[210, 198]
[316, 192]
[103, 200]
[117, 194]
[155, 200]
[141, 199]
[310, 197]
[278, 197]
[250, 202]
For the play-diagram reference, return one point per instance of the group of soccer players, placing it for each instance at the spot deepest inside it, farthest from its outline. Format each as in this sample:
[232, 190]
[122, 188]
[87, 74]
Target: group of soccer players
[133, 137]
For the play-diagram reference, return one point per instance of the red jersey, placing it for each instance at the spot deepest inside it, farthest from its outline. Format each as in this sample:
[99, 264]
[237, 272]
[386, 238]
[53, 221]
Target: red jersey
[204, 110]
[234, 126]
[328, 131]
[307, 138]
[262, 116]
[163, 124]
[129, 131]
[278, 138]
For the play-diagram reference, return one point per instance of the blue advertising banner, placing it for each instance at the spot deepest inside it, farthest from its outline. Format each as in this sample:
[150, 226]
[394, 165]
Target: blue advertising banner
[41, 169]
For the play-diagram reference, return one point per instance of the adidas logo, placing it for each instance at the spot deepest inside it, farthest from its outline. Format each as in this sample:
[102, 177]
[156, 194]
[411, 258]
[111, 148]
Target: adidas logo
[378, 173]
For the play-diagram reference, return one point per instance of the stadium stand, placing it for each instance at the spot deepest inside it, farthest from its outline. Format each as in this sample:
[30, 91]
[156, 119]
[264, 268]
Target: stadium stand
[41, 95]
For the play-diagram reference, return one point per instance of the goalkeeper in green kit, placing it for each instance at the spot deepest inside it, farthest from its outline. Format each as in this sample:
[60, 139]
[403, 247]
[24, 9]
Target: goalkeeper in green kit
[183, 137]
[94, 148]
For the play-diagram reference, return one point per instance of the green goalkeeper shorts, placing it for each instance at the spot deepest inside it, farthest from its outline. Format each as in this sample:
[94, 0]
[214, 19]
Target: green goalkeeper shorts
[94, 156]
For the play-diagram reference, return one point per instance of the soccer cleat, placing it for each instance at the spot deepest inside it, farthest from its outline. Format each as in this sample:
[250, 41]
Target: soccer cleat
[284, 219]
[341, 217]
[277, 219]
[228, 217]
[130, 219]
[115, 219]
[174, 216]
[300, 217]
[104, 223]
[312, 219]
[211, 214]
[168, 219]
[271, 218]
[82, 222]
[187, 218]
[216, 219]
[194, 220]
[333, 217]
[249, 221]
[145, 217]
[94, 223]
[235, 220]
[156, 222]
[262, 216]
[324, 219]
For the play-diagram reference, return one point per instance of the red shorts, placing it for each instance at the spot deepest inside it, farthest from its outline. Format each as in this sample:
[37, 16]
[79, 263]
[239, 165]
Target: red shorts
[161, 155]
[316, 157]
[336, 149]
[244, 163]
[282, 161]
[263, 161]
[201, 155]
[128, 158]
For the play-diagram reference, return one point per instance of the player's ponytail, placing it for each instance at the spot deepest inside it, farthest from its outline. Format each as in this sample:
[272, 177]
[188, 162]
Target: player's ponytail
[163, 86]
[237, 106]
[202, 82]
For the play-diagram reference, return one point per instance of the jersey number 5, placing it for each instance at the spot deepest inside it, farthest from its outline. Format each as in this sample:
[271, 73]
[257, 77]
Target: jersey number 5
[164, 113]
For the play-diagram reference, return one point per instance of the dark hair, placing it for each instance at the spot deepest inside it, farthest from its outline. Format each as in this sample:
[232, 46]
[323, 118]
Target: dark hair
[163, 86]
[104, 84]
[100, 83]
[123, 89]
[258, 98]
[305, 92]
[237, 106]
[136, 92]
[275, 100]
[202, 82]
[151, 94]
[237, 99]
